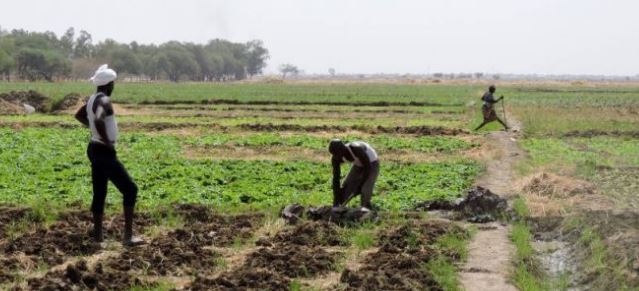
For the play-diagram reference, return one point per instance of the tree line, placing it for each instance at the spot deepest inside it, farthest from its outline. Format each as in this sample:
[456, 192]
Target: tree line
[33, 56]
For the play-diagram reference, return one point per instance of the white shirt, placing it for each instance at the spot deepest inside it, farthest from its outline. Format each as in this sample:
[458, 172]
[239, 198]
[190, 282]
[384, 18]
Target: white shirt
[370, 152]
[109, 121]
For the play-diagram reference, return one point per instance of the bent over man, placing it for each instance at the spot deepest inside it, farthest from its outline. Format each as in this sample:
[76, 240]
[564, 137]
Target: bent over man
[488, 109]
[362, 176]
[98, 115]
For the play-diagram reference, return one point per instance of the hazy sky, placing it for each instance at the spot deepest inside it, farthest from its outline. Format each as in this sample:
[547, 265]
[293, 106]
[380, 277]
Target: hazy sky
[371, 36]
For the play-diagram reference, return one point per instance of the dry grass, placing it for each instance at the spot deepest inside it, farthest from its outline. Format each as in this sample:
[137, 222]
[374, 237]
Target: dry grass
[548, 194]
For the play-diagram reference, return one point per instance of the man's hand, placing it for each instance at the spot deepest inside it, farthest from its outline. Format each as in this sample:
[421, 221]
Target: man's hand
[81, 115]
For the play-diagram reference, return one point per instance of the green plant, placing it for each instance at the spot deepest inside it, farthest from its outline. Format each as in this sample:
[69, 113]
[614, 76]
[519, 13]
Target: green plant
[444, 272]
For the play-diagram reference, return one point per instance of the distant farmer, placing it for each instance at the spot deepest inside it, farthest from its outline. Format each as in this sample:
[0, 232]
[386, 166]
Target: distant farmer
[362, 176]
[98, 115]
[488, 109]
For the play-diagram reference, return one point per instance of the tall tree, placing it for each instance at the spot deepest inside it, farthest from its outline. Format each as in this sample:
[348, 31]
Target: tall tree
[67, 42]
[83, 45]
[257, 56]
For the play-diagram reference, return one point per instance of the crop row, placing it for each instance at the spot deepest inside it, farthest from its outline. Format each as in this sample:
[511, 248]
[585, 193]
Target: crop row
[202, 121]
[51, 165]
[296, 92]
[427, 144]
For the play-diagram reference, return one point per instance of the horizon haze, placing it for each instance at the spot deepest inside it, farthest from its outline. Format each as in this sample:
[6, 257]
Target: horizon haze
[355, 36]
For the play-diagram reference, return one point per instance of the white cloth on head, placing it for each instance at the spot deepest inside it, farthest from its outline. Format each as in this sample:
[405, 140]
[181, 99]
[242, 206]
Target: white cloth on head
[103, 76]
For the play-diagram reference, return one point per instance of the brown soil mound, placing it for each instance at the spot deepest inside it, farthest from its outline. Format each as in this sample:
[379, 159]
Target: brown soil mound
[10, 108]
[8, 266]
[311, 234]
[196, 213]
[33, 98]
[415, 236]
[554, 186]
[419, 130]
[79, 277]
[113, 225]
[243, 279]
[415, 130]
[398, 264]
[53, 244]
[71, 101]
[480, 205]
[225, 230]
[388, 271]
[344, 216]
[293, 260]
[176, 254]
[69, 236]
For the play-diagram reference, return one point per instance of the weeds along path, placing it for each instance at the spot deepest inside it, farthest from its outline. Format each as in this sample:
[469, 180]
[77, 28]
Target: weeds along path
[490, 252]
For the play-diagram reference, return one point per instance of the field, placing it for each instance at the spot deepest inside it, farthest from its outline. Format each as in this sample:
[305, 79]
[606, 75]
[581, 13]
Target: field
[215, 164]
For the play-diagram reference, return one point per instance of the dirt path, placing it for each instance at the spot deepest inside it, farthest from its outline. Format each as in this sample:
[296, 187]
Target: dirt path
[490, 252]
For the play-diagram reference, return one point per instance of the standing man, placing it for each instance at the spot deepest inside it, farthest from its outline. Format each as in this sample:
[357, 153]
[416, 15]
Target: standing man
[362, 177]
[98, 115]
[488, 109]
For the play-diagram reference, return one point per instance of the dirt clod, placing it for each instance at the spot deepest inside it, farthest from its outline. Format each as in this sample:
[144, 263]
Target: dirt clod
[311, 234]
[480, 205]
[293, 260]
[341, 215]
[70, 101]
[79, 277]
[243, 279]
[398, 264]
[33, 98]
[178, 253]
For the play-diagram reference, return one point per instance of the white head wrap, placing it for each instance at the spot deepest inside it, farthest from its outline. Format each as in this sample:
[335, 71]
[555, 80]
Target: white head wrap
[103, 76]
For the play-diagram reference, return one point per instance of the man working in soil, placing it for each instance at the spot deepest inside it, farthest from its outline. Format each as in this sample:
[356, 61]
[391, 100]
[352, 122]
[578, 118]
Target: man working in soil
[98, 115]
[488, 109]
[362, 176]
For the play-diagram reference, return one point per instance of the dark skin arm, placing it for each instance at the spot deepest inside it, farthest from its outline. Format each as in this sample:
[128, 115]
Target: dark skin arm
[495, 101]
[336, 162]
[360, 153]
[82, 116]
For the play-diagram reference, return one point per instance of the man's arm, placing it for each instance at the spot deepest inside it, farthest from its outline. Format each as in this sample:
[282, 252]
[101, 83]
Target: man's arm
[82, 116]
[336, 173]
[493, 101]
[104, 109]
[337, 190]
[360, 152]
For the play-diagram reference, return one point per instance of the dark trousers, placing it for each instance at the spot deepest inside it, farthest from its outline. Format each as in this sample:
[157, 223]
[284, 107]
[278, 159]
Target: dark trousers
[104, 167]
